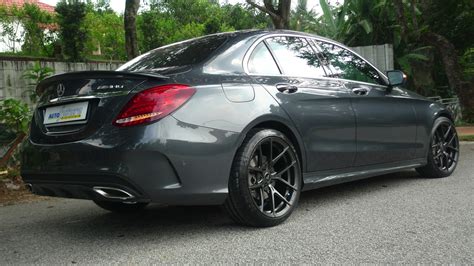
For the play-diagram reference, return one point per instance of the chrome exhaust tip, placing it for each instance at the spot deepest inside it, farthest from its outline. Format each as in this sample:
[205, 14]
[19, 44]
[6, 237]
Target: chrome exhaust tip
[113, 193]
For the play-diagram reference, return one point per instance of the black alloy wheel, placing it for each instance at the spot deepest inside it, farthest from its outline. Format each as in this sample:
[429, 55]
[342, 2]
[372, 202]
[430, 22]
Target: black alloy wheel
[443, 154]
[272, 177]
[265, 183]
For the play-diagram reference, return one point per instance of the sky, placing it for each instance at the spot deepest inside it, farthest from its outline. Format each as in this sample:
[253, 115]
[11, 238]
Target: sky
[119, 5]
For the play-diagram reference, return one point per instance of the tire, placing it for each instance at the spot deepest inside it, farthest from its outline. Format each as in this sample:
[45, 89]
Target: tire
[265, 181]
[443, 152]
[120, 207]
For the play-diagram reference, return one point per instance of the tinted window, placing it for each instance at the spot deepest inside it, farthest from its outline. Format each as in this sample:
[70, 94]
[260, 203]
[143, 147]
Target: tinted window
[346, 65]
[296, 57]
[261, 61]
[180, 54]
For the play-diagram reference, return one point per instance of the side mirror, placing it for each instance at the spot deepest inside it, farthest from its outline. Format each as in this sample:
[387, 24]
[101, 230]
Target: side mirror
[396, 78]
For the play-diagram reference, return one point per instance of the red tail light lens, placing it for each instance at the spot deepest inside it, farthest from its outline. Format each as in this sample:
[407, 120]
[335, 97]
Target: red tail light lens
[153, 104]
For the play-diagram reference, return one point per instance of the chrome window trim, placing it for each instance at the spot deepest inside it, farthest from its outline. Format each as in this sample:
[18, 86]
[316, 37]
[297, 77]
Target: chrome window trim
[275, 60]
[266, 36]
[351, 51]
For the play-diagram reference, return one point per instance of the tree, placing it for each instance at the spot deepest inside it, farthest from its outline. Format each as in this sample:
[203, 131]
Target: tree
[16, 116]
[303, 19]
[280, 15]
[11, 32]
[443, 47]
[240, 17]
[71, 15]
[130, 15]
[106, 32]
[39, 31]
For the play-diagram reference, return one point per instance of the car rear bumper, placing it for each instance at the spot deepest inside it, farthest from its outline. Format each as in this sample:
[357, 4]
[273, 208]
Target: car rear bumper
[168, 162]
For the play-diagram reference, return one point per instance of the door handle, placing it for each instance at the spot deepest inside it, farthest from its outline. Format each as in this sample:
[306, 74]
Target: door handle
[286, 88]
[360, 91]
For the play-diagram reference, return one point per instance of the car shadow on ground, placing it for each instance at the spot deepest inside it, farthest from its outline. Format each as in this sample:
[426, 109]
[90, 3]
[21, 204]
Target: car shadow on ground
[170, 222]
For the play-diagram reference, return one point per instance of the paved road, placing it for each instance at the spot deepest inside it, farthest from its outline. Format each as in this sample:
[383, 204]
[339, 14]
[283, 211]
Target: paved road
[398, 218]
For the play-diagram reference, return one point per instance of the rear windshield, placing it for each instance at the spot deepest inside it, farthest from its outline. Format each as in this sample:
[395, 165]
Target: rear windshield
[176, 55]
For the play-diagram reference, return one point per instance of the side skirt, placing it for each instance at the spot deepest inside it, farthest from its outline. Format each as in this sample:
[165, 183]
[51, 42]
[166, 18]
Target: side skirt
[320, 179]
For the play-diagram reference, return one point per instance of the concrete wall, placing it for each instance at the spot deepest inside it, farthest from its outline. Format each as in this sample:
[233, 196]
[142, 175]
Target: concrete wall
[380, 56]
[12, 85]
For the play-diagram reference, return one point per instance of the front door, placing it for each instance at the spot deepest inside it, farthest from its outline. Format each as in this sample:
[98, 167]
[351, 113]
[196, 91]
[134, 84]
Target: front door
[386, 120]
[319, 107]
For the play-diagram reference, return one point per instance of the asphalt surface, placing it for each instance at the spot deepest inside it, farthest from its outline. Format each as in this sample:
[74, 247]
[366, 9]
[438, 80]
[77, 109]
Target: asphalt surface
[397, 218]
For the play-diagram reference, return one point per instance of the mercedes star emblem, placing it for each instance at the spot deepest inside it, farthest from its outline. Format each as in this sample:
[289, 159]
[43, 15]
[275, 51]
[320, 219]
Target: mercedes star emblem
[60, 89]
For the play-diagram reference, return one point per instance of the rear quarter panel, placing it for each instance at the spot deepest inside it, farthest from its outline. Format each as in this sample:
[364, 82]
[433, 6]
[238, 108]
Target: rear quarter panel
[213, 107]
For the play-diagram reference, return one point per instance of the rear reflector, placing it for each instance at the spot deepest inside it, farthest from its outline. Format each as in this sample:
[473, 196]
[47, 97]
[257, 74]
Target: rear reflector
[153, 104]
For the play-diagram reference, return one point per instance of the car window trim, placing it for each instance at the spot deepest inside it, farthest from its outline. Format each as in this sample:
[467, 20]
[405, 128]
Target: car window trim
[384, 78]
[303, 39]
[316, 53]
[275, 59]
[256, 42]
[271, 54]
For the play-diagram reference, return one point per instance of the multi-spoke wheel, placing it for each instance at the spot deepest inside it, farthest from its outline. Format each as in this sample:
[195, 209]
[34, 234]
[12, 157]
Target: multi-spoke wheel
[265, 183]
[443, 154]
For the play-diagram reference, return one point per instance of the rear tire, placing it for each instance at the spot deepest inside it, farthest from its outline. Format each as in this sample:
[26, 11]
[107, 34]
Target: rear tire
[265, 181]
[443, 152]
[120, 207]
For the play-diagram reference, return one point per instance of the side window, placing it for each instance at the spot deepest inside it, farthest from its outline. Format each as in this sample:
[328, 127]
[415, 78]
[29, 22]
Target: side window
[296, 57]
[346, 65]
[261, 61]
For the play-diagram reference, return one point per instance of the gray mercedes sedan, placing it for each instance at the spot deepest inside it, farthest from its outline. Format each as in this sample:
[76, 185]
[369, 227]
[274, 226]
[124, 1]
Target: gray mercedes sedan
[244, 119]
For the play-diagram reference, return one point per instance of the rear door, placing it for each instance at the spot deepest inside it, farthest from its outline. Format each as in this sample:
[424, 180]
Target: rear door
[291, 72]
[386, 120]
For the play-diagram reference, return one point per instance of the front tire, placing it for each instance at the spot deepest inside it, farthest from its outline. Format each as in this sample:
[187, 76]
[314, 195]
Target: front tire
[443, 153]
[265, 181]
[121, 207]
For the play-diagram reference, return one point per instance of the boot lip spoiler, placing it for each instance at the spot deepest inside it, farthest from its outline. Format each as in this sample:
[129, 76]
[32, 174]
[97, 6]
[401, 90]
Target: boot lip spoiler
[97, 74]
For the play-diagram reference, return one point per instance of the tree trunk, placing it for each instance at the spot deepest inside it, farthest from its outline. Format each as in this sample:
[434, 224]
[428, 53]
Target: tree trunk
[4, 160]
[130, 15]
[400, 10]
[280, 16]
[453, 70]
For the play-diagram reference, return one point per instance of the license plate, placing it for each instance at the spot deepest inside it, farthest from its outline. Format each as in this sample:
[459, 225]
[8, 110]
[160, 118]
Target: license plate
[65, 113]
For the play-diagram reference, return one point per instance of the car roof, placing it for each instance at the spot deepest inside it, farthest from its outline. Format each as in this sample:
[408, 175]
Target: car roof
[253, 32]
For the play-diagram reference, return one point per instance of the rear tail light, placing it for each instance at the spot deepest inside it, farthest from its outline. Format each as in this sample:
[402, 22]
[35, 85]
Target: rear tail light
[153, 104]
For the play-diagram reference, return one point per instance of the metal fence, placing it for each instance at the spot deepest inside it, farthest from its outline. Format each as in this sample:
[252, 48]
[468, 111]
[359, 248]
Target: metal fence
[451, 104]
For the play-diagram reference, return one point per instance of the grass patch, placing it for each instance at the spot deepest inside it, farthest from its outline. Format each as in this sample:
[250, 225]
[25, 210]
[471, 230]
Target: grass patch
[463, 124]
[466, 138]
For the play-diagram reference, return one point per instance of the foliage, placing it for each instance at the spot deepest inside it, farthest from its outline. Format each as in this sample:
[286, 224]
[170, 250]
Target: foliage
[241, 17]
[15, 115]
[452, 19]
[91, 29]
[169, 21]
[466, 138]
[35, 75]
[71, 16]
[11, 31]
[467, 61]
[39, 31]
[105, 33]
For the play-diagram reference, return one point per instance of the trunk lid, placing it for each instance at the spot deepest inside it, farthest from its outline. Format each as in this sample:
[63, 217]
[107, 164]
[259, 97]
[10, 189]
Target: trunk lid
[74, 105]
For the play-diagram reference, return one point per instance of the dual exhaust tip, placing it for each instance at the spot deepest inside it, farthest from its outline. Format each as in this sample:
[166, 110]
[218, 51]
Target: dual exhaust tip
[106, 192]
[113, 193]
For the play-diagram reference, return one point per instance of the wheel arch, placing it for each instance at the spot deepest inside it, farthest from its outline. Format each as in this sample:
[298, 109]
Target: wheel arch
[282, 125]
[443, 112]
